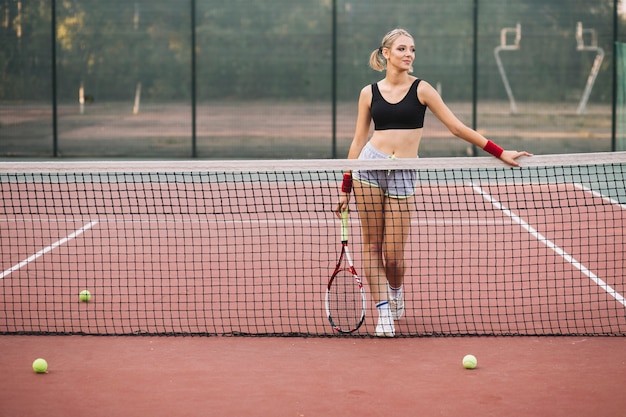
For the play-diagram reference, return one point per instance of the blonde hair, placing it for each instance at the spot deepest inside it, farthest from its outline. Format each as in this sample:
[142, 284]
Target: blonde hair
[377, 60]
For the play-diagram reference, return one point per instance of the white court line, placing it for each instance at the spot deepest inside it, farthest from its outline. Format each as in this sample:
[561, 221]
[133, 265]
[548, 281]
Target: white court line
[600, 195]
[606, 287]
[48, 249]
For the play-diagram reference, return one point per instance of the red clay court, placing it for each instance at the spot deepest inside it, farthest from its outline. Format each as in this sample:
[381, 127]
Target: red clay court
[214, 251]
[235, 376]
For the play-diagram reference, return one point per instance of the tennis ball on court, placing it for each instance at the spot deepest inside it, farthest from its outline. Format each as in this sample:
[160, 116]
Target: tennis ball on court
[40, 366]
[84, 296]
[469, 362]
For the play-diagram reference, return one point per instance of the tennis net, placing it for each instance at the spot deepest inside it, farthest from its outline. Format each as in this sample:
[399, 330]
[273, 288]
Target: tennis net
[247, 247]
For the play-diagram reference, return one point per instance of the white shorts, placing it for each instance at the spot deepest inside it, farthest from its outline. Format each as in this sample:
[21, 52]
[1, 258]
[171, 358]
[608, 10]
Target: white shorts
[398, 183]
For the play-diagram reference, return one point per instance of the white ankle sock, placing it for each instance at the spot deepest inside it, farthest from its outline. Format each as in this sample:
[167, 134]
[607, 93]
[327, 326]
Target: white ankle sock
[383, 309]
[395, 292]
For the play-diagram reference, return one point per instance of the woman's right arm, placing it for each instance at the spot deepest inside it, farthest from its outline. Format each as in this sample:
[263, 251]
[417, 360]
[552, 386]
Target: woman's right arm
[363, 122]
[361, 134]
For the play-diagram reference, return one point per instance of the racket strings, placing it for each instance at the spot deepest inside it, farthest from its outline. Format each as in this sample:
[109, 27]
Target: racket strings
[345, 300]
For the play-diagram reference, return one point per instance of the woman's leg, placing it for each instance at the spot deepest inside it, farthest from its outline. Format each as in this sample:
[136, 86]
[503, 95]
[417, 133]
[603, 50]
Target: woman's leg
[397, 227]
[371, 205]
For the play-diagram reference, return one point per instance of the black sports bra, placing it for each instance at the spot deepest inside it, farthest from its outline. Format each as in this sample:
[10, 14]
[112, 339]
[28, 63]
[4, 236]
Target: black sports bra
[406, 114]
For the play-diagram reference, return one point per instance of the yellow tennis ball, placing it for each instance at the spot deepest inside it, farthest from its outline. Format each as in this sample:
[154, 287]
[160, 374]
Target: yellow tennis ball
[469, 362]
[40, 366]
[85, 296]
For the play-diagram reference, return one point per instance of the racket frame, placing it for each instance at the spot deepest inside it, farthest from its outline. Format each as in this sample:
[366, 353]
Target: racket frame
[345, 254]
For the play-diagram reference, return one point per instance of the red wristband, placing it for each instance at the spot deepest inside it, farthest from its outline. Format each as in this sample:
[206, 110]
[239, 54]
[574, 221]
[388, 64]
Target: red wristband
[493, 149]
[346, 185]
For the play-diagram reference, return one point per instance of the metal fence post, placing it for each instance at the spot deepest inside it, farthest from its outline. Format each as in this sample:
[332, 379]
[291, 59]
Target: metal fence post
[55, 135]
[194, 140]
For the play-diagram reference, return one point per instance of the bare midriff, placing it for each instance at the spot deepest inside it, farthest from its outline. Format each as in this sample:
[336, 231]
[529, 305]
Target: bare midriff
[400, 143]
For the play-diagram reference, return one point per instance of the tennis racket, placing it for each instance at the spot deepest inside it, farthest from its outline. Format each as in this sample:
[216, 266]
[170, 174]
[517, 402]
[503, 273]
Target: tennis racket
[345, 296]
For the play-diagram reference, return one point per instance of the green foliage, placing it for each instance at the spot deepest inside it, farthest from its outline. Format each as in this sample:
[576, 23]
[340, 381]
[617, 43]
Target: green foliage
[255, 49]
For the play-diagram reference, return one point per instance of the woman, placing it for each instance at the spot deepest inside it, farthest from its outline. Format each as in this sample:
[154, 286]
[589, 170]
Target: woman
[384, 199]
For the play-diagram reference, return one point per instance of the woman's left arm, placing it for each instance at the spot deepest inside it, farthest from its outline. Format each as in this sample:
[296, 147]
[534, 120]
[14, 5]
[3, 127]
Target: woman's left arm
[431, 98]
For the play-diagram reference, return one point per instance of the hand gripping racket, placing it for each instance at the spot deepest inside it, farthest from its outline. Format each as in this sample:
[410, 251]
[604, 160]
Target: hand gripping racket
[345, 296]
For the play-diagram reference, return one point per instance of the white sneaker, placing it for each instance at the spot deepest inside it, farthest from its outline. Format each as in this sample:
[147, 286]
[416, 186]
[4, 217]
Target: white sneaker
[397, 307]
[385, 327]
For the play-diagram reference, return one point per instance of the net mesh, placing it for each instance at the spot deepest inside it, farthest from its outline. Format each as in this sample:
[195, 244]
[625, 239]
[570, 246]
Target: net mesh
[247, 248]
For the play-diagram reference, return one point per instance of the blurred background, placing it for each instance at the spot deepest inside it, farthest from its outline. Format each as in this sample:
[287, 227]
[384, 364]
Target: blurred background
[256, 79]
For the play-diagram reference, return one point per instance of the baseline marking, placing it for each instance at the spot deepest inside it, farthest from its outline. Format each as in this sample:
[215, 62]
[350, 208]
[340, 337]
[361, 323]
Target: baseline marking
[48, 249]
[606, 287]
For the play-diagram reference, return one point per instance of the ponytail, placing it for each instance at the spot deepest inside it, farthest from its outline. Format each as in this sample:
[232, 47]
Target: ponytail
[377, 60]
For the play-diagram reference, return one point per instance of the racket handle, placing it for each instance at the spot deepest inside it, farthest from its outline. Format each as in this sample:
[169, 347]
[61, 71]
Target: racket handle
[344, 225]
